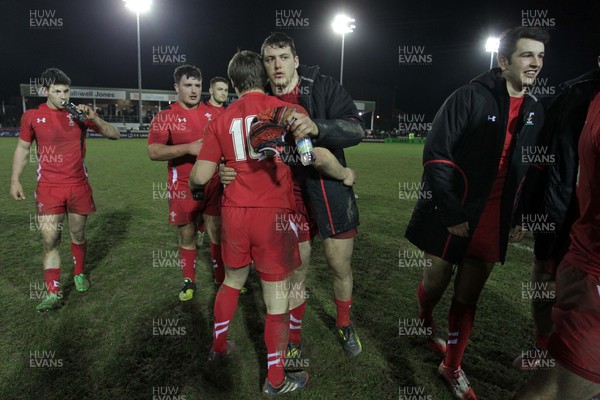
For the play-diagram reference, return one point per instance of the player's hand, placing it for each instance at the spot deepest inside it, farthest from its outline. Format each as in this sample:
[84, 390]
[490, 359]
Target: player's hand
[516, 234]
[16, 191]
[88, 111]
[460, 230]
[226, 174]
[303, 126]
[194, 147]
[350, 179]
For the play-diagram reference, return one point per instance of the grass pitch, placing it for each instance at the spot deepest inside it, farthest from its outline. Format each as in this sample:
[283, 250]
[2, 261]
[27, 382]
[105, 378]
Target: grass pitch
[129, 337]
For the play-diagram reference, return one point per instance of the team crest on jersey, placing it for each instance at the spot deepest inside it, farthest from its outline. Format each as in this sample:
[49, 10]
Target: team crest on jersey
[71, 122]
[39, 206]
[173, 214]
[208, 116]
[529, 120]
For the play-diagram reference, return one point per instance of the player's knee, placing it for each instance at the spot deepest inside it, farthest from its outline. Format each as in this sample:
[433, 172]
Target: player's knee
[468, 299]
[341, 271]
[187, 237]
[338, 262]
[50, 241]
[300, 272]
[78, 237]
[214, 234]
[437, 279]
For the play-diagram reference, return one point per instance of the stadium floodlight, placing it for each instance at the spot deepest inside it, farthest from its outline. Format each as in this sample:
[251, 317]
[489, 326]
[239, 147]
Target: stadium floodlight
[139, 6]
[342, 24]
[491, 46]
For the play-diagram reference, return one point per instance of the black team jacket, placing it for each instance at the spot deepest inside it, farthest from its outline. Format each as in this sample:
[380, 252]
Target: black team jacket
[460, 162]
[564, 122]
[333, 111]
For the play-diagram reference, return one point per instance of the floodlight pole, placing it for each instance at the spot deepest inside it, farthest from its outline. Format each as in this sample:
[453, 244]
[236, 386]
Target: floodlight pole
[139, 55]
[342, 64]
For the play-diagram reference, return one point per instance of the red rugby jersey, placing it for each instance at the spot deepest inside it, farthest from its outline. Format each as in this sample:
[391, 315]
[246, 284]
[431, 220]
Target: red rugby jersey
[584, 252]
[60, 142]
[258, 183]
[177, 125]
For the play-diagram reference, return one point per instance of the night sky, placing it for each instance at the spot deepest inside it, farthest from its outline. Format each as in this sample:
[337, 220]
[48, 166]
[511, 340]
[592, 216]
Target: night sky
[95, 43]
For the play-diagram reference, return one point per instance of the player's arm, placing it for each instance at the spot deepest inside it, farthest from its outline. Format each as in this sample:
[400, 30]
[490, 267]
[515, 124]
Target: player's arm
[164, 152]
[343, 126]
[101, 126]
[202, 172]
[440, 168]
[18, 165]
[328, 165]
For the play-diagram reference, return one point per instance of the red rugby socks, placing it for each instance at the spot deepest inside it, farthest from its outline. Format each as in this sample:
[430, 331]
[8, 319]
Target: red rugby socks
[187, 260]
[52, 279]
[343, 312]
[225, 305]
[78, 251]
[296, 316]
[460, 323]
[276, 339]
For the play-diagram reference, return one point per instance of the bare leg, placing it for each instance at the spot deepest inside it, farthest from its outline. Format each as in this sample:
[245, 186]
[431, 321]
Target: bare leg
[298, 279]
[437, 277]
[470, 280]
[338, 253]
[77, 227]
[51, 229]
[212, 226]
[187, 235]
[557, 383]
[236, 277]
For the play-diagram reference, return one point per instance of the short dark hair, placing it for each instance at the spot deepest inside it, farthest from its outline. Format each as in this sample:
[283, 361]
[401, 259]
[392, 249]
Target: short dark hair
[190, 71]
[246, 71]
[218, 79]
[54, 76]
[510, 37]
[278, 40]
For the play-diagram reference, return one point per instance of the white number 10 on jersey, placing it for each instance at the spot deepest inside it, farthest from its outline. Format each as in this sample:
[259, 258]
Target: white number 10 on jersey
[239, 134]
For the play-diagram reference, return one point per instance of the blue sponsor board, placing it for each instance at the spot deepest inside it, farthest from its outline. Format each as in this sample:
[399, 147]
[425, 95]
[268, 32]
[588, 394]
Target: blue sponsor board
[14, 132]
[9, 132]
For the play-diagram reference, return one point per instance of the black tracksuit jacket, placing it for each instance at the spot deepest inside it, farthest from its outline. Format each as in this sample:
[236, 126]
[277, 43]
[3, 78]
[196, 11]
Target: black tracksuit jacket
[333, 111]
[562, 128]
[460, 161]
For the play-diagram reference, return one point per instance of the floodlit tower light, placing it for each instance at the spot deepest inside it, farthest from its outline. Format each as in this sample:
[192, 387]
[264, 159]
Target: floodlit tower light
[139, 6]
[491, 46]
[342, 24]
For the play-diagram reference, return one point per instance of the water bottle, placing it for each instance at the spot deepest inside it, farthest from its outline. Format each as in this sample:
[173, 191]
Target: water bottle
[74, 111]
[305, 149]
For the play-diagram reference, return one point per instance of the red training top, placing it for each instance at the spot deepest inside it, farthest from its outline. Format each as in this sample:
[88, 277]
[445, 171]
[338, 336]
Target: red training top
[584, 252]
[176, 125]
[60, 142]
[265, 183]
